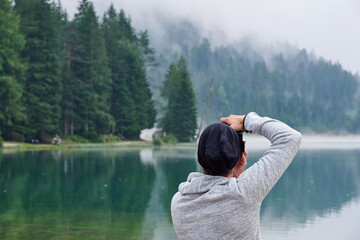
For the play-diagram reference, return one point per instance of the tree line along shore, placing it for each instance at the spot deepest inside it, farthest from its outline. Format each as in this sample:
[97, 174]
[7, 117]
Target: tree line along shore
[84, 79]
[97, 79]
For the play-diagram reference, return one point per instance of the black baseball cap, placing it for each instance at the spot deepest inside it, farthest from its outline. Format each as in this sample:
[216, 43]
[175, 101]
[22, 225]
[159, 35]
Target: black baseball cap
[218, 148]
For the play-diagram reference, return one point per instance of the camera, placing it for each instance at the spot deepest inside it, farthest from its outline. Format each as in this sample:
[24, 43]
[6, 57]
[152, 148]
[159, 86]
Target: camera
[241, 143]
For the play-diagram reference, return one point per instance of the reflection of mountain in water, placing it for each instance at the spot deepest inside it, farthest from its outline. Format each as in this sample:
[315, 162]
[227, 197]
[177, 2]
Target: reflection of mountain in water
[316, 183]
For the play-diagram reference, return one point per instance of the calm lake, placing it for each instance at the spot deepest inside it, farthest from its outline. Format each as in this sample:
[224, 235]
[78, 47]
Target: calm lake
[125, 193]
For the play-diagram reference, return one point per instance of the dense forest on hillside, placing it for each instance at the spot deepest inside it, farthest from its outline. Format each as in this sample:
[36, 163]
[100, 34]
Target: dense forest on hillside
[93, 76]
[309, 93]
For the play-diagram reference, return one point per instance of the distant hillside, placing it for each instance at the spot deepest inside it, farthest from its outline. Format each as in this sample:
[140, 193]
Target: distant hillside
[309, 93]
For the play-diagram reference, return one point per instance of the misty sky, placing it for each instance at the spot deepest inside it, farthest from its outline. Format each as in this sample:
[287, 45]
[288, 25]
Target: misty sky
[329, 28]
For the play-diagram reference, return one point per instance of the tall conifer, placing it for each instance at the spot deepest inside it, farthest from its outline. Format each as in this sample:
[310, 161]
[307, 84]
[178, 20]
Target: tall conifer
[12, 69]
[68, 81]
[180, 115]
[131, 103]
[91, 74]
[40, 26]
[122, 103]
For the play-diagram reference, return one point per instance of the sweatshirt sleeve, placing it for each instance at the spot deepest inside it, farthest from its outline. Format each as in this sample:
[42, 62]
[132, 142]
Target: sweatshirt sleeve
[258, 180]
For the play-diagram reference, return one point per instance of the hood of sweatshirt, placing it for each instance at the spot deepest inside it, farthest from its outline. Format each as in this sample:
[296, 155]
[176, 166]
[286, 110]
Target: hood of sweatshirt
[198, 183]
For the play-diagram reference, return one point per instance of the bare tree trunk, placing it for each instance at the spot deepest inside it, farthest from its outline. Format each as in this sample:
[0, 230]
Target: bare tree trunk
[67, 111]
[72, 126]
[208, 97]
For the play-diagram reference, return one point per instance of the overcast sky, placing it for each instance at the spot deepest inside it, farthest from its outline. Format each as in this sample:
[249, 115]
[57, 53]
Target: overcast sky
[329, 28]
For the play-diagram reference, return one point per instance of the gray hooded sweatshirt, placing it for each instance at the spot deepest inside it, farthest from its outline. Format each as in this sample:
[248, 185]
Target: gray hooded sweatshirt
[215, 207]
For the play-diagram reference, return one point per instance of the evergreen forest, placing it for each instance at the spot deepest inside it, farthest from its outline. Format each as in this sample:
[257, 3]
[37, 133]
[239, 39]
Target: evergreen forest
[94, 76]
[307, 92]
[85, 77]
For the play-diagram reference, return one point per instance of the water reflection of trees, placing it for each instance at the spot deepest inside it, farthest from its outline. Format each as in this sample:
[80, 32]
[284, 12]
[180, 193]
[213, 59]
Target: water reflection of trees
[315, 183]
[91, 194]
[176, 166]
[101, 194]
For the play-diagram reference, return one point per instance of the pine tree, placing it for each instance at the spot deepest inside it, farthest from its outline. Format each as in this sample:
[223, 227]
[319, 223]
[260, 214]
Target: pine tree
[180, 116]
[68, 114]
[12, 112]
[91, 74]
[147, 53]
[139, 87]
[122, 104]
[131, 104]
[134, 66]
[42, 96]
[168, 89]
[66, 38]
[125, 28]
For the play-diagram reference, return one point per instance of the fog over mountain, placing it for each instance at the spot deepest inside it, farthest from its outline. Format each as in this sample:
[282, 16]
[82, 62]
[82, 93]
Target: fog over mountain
[327, 28]
[296, 61]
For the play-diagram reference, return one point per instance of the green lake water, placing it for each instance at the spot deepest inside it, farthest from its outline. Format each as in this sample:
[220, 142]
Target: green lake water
[118, 193]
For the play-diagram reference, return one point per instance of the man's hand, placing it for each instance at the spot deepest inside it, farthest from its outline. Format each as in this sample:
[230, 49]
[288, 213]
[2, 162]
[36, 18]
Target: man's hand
[234, 121]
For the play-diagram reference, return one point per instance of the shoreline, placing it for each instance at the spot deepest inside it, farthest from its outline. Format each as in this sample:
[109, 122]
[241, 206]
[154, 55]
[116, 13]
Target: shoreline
[253, 142]
[310, 142]
[30, 146]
